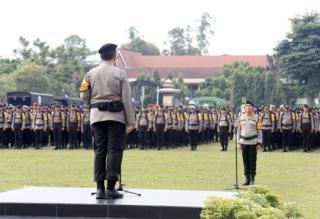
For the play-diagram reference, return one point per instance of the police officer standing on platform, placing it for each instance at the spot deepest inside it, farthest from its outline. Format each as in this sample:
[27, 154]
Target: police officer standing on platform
[111, 118]
[250, 139]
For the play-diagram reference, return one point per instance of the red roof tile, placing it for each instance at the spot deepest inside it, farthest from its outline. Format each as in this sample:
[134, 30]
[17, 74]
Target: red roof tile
[189, 66]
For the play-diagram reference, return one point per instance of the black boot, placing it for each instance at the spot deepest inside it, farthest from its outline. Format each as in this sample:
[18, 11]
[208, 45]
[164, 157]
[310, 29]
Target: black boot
[100, 190]
[247, 182]
[111, 192]
[252, 179]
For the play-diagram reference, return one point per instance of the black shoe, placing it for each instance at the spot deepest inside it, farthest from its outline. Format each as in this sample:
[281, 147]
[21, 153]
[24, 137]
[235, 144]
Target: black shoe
[247, 182]
[113, 194]
[100, 194]
[252, 180]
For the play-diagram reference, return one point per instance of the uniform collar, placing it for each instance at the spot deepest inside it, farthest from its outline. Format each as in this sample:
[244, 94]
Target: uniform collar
[107, 62]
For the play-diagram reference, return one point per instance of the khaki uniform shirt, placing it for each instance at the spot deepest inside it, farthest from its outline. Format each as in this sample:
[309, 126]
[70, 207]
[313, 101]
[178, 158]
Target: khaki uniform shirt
[105, 83]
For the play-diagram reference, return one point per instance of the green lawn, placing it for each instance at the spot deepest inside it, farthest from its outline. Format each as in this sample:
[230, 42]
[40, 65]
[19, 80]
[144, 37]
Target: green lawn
[294, 176]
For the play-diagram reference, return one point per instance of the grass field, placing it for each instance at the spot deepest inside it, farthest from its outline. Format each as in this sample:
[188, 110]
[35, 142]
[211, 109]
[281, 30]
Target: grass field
[294, 176]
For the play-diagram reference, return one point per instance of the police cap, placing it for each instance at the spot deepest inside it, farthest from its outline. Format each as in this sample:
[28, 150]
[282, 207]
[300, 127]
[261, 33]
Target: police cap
[108, 48]
[248, 102]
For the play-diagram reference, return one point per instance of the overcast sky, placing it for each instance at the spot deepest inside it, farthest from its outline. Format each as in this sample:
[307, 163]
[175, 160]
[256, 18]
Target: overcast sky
[242, 27]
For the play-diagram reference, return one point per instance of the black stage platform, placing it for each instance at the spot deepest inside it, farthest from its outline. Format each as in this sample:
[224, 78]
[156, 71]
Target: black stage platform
[78, 202]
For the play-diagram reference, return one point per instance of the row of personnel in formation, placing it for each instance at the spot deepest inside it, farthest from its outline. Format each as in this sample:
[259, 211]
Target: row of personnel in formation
[282, 127]
[159, 127]
[39, 125]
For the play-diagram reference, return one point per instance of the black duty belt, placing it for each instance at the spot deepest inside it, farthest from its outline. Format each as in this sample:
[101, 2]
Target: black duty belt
[248, 138]
[113, 106]
[287, 125]
[266, 125]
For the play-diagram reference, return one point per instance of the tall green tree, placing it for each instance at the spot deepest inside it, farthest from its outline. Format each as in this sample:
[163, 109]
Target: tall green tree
[156, 77]
[177, 40]
[7, 65]
[238, 90]
[298, 56]
[204, 33]
[138, 44]
[26, 52]
[182, 87]
[191, 50]
[31, 77]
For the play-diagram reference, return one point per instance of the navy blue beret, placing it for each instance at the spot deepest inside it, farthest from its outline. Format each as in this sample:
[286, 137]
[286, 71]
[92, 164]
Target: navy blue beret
[106, 48]
[249, 103]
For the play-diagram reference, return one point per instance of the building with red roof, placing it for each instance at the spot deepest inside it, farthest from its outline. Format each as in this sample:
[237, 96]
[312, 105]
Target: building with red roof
[194, 69]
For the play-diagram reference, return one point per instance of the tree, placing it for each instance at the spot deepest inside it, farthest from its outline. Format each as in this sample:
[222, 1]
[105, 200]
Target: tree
[298, 56]
[137, 44]
[182, 87]
[42, 55]
[241, 80]
[191, 50]
[156, 77]
[25, 52]
[31, 77]
[169, 76]
[177, 40]
[237, 90]
[7, 65]
[204, 33]
[69, 63]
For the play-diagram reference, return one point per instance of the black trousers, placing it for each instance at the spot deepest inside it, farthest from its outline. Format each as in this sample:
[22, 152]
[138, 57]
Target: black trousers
[231, 133]
[39, 135]
[109, 139]
[18, 136]
[214, 134]
[194, 138]
[45, 137]
[33, 137]
[73, 135]
[87, 137]
[8, 137]
[249, 156]
[1, 137]
[152, 139]
[306, 136]
[143, 136]
[65, 138]
[266, 139]
[207, 134]
[57, 135]
[224, 137]
[168, 138]
[26, 136]
[286, 139]
[160, 135]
